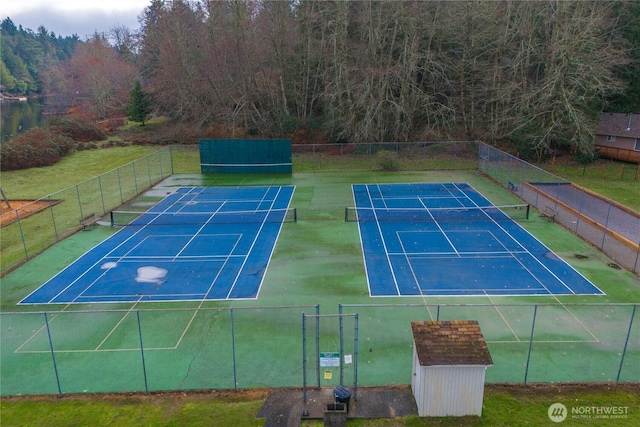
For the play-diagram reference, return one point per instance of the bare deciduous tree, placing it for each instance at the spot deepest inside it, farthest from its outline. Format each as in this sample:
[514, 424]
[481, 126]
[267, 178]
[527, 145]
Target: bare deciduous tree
[532, 72]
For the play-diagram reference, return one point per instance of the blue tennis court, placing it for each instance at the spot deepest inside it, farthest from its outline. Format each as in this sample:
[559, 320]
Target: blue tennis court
[197, 244]
[446, 239]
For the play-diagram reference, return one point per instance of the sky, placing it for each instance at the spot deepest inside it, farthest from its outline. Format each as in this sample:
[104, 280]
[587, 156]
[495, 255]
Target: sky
[68, 17]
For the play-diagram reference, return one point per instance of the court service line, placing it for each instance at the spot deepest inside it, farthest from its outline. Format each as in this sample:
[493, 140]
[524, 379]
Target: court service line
[575, 318]
[526, 252]
[415, 278]
[197, 233]
[440, 228]
[101, 260]
[253, 244]
[126, 314]
[503, 318]
[527, 249]
[204, 298]
[37, 332]
[384, 242]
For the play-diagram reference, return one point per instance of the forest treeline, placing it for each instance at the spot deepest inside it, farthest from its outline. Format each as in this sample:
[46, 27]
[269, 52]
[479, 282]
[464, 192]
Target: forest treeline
[24, 54]
[534, 75]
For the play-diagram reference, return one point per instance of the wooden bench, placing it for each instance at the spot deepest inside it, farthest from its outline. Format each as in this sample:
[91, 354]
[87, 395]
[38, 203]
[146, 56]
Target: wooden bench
[549, 213]
[88, 220]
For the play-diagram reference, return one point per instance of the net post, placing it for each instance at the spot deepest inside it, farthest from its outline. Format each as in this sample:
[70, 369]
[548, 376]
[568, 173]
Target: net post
[626, 341]
[144, 366]
[528, 210]
[295, 214]
[111, 218]
[533, 325]
[53, 353]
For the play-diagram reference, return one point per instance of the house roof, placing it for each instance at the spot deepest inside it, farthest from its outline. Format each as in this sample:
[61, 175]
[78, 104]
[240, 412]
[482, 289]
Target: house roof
[619, 124]
[455, 342]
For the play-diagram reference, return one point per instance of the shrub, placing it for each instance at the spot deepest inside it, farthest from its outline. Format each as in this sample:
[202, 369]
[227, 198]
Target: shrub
[584, 158]
[34, 148]
[387, 160]
[78, 128]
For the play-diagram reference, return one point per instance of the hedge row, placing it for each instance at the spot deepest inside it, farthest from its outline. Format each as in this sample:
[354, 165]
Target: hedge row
[78, 129]
[46, 146]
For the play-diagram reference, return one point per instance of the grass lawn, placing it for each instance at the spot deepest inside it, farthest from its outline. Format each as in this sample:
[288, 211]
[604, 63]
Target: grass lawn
[503, 406]
[34, 183]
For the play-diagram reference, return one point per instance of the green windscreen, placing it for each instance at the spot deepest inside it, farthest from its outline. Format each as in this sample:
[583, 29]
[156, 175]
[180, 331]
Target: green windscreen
[245, 156]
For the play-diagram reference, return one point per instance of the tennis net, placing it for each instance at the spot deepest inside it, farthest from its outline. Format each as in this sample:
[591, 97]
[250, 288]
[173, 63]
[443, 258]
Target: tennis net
[471, 214]
[128, 218]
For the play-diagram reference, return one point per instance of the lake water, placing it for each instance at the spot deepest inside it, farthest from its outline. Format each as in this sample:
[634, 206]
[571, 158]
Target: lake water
[20, 116]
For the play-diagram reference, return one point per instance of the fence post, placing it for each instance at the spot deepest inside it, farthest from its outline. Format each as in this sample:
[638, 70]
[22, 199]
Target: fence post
[149, 172]
[135, 177]
[317, 350]
[159, 152]
[233, 352]
[120, 186]
[79, 201]
[340, 340]
[304, 358]
[24, 242]
[53, 219]
[170, 158]
[535, 203]
[533, 324]
[313, 146]
[606, 226]
[583, 195]
[626, 341]
[144, 367]
[53, 355]
[104, 210]
[355, 359]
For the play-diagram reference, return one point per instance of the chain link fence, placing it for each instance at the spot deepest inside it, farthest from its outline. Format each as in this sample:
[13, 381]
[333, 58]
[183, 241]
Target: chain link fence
[610, 226]
[63, 213]
[529, 343]
[147, 350]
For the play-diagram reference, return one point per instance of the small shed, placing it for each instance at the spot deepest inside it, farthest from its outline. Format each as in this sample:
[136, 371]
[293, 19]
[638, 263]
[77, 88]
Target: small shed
[449, 363]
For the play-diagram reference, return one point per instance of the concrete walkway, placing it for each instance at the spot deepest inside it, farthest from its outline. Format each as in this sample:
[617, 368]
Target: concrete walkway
[287, 407]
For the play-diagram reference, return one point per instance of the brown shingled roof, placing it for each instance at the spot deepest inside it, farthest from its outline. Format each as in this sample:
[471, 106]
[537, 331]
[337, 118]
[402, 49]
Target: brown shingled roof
[619, 124]
[455, 342]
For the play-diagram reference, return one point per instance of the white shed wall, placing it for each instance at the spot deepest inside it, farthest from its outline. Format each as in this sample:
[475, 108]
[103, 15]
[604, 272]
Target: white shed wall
[416, 378]
[455, 390]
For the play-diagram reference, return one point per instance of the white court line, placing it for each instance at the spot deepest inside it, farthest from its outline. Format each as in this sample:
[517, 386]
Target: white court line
[117, 325]
[497, 224]
[415, 278]
[513, 332]
[253, 243]
[126, 314]
[100, 261]
[199, 230]
[384, 243]
[440, 228]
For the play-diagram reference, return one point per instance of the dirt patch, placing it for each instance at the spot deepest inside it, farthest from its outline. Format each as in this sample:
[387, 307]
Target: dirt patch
[22, 209]
[326, 394]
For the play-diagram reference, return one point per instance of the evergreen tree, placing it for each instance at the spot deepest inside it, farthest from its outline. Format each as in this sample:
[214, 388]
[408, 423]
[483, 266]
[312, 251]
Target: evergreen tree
[139, 104]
